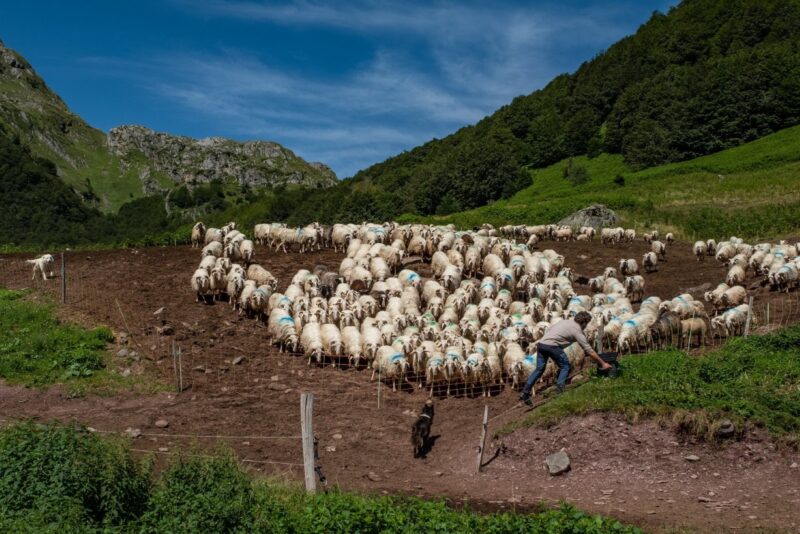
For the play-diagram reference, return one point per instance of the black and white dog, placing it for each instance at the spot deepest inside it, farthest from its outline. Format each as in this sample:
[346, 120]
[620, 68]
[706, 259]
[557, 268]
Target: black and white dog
[422, 429]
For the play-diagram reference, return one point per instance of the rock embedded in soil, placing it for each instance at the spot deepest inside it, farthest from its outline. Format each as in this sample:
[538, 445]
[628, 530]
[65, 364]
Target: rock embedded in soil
[373, 476]
[726, 429]
[237, 360]
[276, 386]
[122, 353]
[558, 463]
[692, 458]
[162, 423]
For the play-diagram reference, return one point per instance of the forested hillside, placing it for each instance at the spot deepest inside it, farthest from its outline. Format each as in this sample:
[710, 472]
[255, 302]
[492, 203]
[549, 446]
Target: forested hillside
[709, 75]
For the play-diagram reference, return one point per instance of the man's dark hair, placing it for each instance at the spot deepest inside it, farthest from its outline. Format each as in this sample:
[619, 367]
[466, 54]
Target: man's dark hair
[583, 318]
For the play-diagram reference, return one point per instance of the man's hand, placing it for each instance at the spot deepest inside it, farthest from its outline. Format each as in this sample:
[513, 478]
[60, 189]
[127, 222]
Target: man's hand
[602, 363]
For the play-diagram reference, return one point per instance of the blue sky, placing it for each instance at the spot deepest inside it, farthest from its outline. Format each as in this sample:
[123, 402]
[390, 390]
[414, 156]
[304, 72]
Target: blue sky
[345, 83]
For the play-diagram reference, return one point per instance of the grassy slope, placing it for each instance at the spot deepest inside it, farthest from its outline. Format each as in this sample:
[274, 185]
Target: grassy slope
[749, 191]
[36, 349]
[750, 381]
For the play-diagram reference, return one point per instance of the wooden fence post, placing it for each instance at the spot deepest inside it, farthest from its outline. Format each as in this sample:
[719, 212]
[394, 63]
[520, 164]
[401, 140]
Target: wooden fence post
[63, 280]
[306, 413]
[483, 436]
[749, 317]
[598, 342]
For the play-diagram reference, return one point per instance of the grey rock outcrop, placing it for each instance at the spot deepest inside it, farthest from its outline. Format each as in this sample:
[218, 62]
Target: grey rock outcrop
[596, 216]
[196, 161]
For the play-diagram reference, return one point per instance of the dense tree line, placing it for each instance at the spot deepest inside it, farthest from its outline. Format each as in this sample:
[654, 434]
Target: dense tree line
[40, 210]
[708, 75]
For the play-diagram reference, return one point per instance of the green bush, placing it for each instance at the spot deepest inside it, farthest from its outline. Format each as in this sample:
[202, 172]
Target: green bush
[201, 494]
[64, 477]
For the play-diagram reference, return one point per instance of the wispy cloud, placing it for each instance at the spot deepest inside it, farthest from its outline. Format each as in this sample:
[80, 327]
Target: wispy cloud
[448, 65]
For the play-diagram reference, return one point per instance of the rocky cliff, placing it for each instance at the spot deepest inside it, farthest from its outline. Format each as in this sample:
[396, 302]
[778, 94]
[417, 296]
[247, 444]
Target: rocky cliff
[133, 161]
[193, 161]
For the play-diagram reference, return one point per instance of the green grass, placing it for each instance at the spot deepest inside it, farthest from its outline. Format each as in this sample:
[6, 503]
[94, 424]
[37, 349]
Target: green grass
[63, 478]
[750, 191]
[36, 349]
[751, 381]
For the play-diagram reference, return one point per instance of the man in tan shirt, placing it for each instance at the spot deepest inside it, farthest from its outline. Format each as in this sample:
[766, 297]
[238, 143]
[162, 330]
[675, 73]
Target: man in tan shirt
[552, 345]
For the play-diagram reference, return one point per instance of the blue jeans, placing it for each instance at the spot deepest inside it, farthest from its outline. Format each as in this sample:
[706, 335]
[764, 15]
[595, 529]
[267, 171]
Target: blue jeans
[559, 357]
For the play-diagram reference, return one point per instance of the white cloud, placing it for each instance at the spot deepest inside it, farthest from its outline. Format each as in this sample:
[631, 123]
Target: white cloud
[449, 65]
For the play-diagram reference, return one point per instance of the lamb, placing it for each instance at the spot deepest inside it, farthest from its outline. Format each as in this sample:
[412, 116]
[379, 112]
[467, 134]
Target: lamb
[649, 262]
[391, 365]
[735, 276]
[201, 284]
[198, 234]
[628, 267]
[692, 327]
[311, 341]
[699, 249]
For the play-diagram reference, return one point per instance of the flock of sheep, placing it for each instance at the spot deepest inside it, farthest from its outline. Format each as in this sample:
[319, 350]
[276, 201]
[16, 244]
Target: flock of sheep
[491, 296]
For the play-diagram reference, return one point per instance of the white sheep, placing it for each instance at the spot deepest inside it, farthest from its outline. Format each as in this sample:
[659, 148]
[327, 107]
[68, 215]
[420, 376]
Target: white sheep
[198, 234]
[628, 267]
[390, 365]
[201, 284]
[311, 341]
[699, 250]
[650, 262]
[735, 276]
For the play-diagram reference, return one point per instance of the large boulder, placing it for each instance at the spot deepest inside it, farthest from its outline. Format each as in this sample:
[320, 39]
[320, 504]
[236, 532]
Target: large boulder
[596, 216]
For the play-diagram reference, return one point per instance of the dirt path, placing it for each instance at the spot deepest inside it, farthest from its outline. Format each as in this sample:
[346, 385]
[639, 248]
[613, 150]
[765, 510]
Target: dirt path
[636, 473]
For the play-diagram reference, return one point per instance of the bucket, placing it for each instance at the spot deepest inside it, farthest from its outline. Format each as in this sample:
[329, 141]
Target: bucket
[611, 359]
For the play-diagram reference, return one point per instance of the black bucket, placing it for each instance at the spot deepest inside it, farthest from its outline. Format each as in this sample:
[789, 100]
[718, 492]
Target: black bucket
[611, 359]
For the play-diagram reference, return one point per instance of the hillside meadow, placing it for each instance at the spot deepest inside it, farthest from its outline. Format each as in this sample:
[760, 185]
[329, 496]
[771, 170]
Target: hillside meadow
[749, 191]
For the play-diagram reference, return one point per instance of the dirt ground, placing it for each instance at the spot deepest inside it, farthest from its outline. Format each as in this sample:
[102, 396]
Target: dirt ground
[637, 473]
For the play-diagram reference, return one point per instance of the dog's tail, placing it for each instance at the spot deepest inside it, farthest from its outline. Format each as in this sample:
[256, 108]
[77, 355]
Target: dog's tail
[416, 435]
[30, 261]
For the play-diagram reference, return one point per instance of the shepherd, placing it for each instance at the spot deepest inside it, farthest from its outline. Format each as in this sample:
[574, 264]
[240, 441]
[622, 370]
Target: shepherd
[552, 345]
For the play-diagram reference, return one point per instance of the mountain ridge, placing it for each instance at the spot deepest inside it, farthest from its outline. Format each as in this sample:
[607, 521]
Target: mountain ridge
[106, 171]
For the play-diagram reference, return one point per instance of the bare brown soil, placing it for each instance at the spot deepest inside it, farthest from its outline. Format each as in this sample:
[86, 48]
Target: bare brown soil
[634, 472]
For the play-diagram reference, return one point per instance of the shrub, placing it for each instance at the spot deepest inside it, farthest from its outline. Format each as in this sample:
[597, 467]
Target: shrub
[575, 173]
[63, 475]
[201, 494]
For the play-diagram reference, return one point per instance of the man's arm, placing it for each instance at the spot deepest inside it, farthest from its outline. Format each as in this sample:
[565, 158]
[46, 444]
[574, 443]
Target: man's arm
[580, 337]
